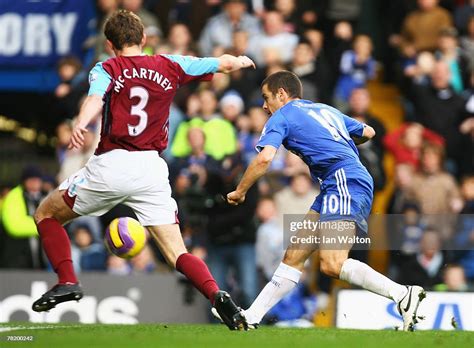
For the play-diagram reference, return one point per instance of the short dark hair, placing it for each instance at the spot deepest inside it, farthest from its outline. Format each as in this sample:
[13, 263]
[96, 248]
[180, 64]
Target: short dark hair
[123, 29]
[286, 80]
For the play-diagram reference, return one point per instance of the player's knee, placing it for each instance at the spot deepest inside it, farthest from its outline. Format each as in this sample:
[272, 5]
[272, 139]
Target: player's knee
[40, 214]
[331, 266]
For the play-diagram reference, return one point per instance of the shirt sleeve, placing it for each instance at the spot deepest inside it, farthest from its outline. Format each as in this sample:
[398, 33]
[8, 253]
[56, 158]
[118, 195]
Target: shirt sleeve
[99, 80]
[194, 68]
[354, 127]
[274, 133]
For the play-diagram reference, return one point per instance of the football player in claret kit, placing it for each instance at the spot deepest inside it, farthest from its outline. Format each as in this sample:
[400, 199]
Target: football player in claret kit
[134, 93]
[325, 139]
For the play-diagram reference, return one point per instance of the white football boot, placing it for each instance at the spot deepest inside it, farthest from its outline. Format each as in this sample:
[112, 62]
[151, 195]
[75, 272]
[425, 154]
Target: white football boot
[408, 306]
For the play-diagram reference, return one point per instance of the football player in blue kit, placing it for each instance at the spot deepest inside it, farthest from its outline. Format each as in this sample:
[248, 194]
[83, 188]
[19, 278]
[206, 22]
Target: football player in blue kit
[325, 139]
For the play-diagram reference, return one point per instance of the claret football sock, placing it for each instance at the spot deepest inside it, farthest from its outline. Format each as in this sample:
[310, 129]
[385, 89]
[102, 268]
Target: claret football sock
[283, 281]
[57, 246]
[358, 273]
[197, 272]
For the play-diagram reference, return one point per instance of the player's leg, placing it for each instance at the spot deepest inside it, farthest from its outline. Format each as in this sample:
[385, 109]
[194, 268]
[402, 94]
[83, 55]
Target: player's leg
[169, 240]
[285, 277]
[52, 213]
[335, 263]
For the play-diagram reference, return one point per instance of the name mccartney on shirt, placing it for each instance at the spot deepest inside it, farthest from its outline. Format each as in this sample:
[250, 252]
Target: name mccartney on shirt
[142, 73]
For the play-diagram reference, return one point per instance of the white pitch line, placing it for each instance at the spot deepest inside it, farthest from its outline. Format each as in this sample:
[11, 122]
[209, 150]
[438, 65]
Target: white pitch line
[16, 328]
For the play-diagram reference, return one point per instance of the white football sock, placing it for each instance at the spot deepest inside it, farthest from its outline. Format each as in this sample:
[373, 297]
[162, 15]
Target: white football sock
[357, 273]
[283, 281]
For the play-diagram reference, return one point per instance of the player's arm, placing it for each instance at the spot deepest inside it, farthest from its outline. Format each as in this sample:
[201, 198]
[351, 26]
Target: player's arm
[367, 134]
[274, 133]
[359, 132]
[99, 81]
[90, 109]
[229, 63]
[257, 168]
[202, 69]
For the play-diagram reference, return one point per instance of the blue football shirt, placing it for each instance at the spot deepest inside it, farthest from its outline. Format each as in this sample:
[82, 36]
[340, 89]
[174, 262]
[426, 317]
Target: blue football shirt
[318, 133]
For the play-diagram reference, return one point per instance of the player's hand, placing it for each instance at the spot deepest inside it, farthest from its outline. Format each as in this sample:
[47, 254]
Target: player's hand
[235, 198]
[77, 138]
[246, 62]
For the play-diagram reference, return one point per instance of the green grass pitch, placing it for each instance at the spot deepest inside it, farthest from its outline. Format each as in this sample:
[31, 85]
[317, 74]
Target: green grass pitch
[209, 336]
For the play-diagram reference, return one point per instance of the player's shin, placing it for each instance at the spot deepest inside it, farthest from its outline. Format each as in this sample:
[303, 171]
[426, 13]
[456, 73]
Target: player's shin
[57, 246]
[198, 273]
[360, 274]
[283, 281]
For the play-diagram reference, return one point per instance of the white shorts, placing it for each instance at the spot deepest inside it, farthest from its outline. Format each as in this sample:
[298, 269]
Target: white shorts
[138, 179]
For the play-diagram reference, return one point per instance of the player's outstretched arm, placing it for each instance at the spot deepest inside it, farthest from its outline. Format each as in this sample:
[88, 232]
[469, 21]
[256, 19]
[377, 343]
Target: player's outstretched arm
[229, 63]
[256, 169]
[367, 134]
[91, 107]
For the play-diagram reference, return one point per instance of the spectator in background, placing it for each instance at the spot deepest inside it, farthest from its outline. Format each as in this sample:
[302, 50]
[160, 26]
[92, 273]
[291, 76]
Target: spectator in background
[250, 127]
[401, 195]
[454, 279]
[269, 246]
[315, 38]
[450, 52]
[106, 8]
[87, 253]
[144, 262]
[221, 139]
[463, 14]
[180, 40]
[298, 15]
[148, 18]
[20, 247]
[153, 38]
[275, 38]
[371, 153]
[418, 69]
[405, 234]
[118, 266]
[421, 27]
[467, 43]
[436, 191]
[466, 158]
[219, 29]
[63, 135]
[311, 69]
[191, 177]
[231, 106]
[440, 109]
[464, 238]
[425, 267]
[240, 80]
[71, 89]
[406, 142]
[357, 67]
[340, 42]
[295, 198]
[232, 233]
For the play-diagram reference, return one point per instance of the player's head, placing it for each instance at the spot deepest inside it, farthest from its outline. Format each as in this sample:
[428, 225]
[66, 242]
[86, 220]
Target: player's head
[280, 88]
[124, 29]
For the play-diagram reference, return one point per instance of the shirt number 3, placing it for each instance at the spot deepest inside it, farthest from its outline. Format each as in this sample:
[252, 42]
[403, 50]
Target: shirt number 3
[138, 110]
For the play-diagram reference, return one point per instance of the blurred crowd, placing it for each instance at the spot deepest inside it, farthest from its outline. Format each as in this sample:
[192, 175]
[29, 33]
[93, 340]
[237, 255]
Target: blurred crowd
[425, 47]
